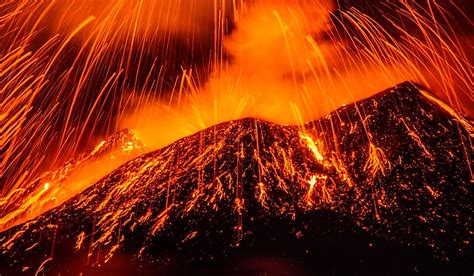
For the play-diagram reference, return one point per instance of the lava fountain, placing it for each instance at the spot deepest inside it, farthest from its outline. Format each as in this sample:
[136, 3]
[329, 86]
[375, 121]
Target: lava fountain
[172, 86]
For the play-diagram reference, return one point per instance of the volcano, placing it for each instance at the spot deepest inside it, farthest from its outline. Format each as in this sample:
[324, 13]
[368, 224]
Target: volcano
[381, 184]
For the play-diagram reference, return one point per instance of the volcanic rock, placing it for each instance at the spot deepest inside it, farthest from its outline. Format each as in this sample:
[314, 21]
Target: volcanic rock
[384, 184]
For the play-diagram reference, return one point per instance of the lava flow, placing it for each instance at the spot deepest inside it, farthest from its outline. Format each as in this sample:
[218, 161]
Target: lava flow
[244, 136]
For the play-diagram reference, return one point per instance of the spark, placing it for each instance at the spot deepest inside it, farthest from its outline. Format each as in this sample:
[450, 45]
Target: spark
[42, 266]
[432, 191]
[313, 146]
[80, 240]
[262, 194]
[311, 183]
[377, 162]
[319, 182]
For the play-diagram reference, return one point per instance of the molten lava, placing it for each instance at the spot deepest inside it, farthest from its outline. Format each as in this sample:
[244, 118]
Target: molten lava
[54, 188]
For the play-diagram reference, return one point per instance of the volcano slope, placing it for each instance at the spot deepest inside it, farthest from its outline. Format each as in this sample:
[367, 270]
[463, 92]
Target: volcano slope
[381, 185]
[54, 187]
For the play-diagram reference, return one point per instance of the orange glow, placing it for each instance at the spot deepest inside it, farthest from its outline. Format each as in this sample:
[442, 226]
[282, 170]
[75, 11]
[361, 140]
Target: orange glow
[377, 162]
[283, 71]
[262, 194]
[313, 146]
[290, 62]
[54, 188]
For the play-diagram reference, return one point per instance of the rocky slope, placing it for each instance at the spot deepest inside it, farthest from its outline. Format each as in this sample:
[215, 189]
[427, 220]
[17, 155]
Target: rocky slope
[381, 184]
